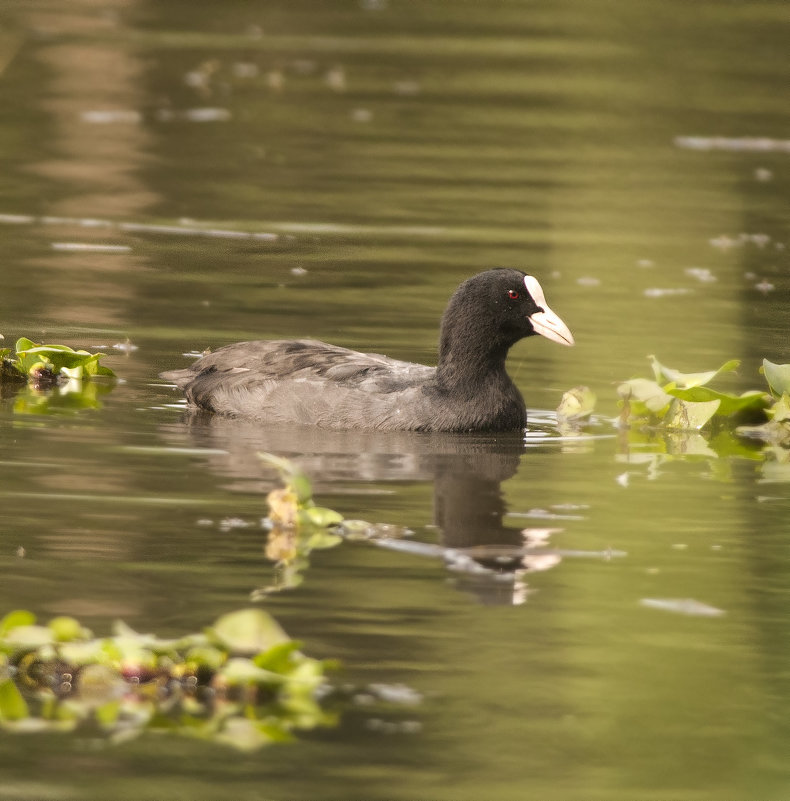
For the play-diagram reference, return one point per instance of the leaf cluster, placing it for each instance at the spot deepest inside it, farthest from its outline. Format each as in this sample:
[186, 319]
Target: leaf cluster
[242, 681]
[677, 401]
[296, 525]
[35, 362]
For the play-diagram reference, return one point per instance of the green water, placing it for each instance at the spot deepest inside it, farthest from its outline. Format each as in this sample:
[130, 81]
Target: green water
[392, 149]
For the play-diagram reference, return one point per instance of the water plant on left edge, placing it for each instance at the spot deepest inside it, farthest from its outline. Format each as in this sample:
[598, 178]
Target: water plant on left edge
[46, 378]
[241, 682]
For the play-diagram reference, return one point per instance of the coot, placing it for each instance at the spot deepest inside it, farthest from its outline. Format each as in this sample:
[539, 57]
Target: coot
[308, 382]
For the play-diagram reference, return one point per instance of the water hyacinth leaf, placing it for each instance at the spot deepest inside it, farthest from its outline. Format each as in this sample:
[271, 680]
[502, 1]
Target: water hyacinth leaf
[777, 430]
[248, 631]
[781, 409]
[30, 636]
[291, 474]
[728, 404]
[83, 653]
[239, 670]
[206, 656]
[322, 517]
[12, 705]
[777, 376]
[280, 658]
[19, 617]
[107, 714]
[23, 344]
[99, 685]
[576, 404]
[58, 358]
[688, 380]
[686, 416]
[646, 392]
[66, 629]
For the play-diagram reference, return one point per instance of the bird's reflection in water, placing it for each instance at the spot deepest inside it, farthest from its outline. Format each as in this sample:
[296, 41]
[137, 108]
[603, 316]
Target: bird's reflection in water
[486, 557]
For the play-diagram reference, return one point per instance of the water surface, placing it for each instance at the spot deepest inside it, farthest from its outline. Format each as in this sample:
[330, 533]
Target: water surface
[181, 177]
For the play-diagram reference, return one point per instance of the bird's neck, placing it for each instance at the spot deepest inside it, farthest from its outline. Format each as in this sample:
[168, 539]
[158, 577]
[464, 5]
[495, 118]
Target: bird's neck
[471, 359]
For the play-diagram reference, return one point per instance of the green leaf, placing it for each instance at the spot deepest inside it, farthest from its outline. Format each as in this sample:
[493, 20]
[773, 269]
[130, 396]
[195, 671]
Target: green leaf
[291, 474]
[689, 416]
[780, 413]
[19, 617]
[778, 376]
[576, 404]
[728, 404]
[688, 380]
[248, 631]
[322, 517]
[279, 658]
[239, 670]
[12, 705]
[66, 629]
[646, 392]
[30, 637]
[23, 343]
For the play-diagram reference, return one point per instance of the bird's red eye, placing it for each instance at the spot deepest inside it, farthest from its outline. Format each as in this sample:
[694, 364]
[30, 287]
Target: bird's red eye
[512, 294]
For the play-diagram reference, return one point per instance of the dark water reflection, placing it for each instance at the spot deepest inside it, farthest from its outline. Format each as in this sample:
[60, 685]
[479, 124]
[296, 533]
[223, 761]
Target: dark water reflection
[185, 175]
[465, 471]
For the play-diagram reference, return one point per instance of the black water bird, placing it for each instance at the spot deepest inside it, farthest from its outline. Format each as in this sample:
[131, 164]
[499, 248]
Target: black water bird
[309, 382]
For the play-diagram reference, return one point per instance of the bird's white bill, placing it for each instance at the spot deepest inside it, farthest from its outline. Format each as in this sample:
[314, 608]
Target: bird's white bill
[546, 322]
[550, 325]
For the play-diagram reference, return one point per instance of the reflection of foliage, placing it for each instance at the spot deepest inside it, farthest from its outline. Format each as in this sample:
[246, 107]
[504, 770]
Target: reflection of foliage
[296, 525]
[52, 378]
[242, 682]
[72, 396]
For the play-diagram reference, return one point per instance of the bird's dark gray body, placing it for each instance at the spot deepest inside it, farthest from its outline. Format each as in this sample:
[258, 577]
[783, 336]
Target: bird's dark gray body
[313, 383]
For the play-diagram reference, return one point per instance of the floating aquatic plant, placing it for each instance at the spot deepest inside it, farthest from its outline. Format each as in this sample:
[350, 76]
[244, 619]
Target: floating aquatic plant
[47, 364]
[296, 525]
[49, 378]
[242, 682]
[678, 401]
[776, 430]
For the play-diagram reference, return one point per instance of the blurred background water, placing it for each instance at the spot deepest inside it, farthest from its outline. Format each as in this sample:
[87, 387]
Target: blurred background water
[178, 176]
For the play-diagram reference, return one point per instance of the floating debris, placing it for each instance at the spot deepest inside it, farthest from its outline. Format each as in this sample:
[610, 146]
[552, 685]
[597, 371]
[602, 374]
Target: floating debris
[85, 247]
[682, 606]
[112, 116]
[656, 292]
[406, 88]
[702, 274]
[734, 144]
[194, 115]
[361, 115]
[245, 69]
[335, 79]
